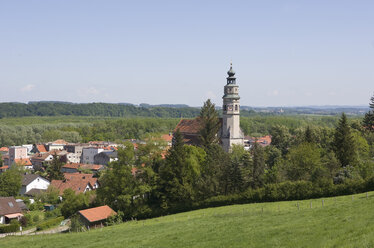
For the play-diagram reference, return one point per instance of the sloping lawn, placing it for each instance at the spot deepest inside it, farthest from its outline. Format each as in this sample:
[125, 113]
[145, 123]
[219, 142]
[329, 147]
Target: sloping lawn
[331, 222]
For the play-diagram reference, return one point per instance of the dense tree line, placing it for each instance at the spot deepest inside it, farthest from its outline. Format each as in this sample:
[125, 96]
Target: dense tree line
[302, 162]
[308, 161]
[18, 131]
[92, 109]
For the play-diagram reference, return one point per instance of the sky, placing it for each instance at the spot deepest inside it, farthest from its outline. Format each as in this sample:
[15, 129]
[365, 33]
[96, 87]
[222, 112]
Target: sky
[285, 53]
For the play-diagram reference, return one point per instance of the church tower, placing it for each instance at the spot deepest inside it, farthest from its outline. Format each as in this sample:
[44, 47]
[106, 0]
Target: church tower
[231, 133]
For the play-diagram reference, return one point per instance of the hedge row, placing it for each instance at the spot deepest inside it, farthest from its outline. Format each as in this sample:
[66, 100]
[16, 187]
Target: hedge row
[14, 227]
[49, 223]
[287, 191]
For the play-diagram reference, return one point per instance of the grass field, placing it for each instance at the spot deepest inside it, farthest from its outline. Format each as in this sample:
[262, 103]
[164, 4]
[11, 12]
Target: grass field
[329, 222]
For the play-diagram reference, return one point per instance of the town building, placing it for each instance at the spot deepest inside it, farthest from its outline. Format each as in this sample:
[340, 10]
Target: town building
[78, 182]
[16, 153]
[105, 157]
[33, 181]
[9, 210]
[88, 154]
[56, 145]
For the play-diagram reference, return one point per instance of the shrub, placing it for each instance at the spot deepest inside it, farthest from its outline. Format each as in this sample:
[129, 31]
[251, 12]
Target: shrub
[49, 223]
[76, 225]
[12, 227]
[35, 218]
[23, 221]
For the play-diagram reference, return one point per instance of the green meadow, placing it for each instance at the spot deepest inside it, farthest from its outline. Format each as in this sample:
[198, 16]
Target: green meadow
[346, 221]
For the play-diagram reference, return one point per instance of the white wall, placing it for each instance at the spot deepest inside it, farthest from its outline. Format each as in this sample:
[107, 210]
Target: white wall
[38, 183]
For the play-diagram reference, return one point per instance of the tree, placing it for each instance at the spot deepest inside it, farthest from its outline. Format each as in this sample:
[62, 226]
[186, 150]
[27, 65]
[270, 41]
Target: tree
[10, 182]
[73, 202]
[344, 143]
[121, 188]
[280, 138]
[303, 161]
[49, 196]
[368, 121]
[179, 174]
[210, 124]
[214, 178]
[236, 171]
[308, 135]
[258, 167]
[54, 169]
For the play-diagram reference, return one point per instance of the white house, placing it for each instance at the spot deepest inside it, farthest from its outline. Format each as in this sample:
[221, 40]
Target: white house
[88, 154]
[33, 181]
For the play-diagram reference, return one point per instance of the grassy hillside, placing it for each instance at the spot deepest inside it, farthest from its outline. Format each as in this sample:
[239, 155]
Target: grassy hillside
[342, 222]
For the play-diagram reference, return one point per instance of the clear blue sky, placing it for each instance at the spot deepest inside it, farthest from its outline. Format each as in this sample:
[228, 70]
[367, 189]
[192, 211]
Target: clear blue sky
[285, 53]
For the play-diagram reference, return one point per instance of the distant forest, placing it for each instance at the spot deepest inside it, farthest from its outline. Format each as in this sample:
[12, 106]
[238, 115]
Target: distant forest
[93, 109]
[146, 110]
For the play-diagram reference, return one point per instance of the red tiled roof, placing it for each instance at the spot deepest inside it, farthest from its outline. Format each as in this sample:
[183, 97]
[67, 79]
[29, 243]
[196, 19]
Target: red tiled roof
[167, 137]
[71, 166]
[191, 126]
[83, 166]
[92, 166]
[263, 141]
[41, 148]
[4, 149]
[23, 161]
[60, 142]
[81, 177]
[97, 214]
[41, 156]
[4, 167]
[78, 186]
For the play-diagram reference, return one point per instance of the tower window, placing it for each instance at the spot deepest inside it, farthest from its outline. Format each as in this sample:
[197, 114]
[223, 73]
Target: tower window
[236, 107]
[224, 107]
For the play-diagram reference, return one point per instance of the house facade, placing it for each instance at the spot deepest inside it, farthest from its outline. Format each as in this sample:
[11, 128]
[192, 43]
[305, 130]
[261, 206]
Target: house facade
[88, 154]
[105, 157]
[17, 152]
[33, 181]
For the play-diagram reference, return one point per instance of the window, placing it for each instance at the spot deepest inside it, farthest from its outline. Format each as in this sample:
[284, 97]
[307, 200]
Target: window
[236, 107]
[224, 107]
[10, 204]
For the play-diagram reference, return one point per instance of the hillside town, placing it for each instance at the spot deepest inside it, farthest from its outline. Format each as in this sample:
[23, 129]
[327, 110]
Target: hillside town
[81, 167]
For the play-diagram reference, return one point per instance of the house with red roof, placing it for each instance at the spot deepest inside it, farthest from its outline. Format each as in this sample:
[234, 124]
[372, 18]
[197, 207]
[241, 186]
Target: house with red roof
[95, 217]
[40, 160]
[190, 129]
[39, 148]
[3, 168]
[25, 162]
[78, 182]
[4, 150]
[262, 141]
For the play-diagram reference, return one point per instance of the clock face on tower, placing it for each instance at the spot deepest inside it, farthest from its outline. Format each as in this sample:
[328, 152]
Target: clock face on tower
[229, 108]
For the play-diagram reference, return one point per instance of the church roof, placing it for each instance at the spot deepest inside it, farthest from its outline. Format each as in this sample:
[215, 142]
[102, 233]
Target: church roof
[191, 126]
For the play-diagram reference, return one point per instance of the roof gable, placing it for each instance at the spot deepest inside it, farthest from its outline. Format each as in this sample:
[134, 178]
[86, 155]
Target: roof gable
[190, 126]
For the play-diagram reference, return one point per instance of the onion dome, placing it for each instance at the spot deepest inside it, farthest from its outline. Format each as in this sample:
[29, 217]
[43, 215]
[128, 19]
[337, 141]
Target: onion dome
[231, 72]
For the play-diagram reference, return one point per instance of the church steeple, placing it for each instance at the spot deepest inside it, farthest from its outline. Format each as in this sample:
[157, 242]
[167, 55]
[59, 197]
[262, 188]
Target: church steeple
[231, 132]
